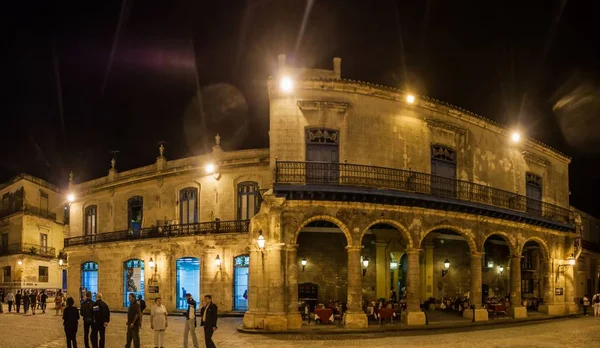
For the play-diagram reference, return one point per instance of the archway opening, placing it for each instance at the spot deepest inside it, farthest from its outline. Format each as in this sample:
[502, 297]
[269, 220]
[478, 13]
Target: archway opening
[495, 277]
[188, 280]
[133, 279]
[323, 280]
[445, 274]
[531, 275]
[241, 266]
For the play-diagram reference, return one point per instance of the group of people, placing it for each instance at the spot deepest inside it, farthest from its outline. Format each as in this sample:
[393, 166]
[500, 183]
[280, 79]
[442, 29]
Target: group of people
[96, 316]
[595, 303]
[28, 299]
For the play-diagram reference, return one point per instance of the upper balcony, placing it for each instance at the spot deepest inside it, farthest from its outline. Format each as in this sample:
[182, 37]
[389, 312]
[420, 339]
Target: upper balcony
[167, 231]
[28, 249]
[20, 207]
[353, 182]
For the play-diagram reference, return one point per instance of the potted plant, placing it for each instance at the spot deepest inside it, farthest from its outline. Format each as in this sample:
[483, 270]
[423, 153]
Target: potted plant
[33, 250]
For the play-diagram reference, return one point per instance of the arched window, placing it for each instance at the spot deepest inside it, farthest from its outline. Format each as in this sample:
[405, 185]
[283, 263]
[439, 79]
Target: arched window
[188, 205]
[135, 208]
[91, 219]
[248, 199]
[240, 282]
[188, 280]
[133, 279]
[89, 277]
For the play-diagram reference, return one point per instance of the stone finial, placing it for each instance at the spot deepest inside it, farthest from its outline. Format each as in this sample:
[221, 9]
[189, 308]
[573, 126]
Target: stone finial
[337, 67]
[161, 150]
[218, 140]
[113, 162]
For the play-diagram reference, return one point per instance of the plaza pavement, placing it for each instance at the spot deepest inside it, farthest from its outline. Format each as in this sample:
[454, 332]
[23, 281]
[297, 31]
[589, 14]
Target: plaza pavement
[46, 331]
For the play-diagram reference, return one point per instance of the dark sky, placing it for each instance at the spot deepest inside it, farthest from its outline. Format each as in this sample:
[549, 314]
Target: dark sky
[532, 64]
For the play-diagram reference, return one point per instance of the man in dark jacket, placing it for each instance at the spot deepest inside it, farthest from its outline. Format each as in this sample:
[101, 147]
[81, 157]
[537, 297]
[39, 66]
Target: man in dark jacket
[142, 303]
[18, 301]
[208, 312]
[101, 320]
[87, 314]
[134, 322]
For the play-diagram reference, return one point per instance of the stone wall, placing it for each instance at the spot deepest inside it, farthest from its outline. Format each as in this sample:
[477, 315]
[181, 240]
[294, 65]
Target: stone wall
[458, 280]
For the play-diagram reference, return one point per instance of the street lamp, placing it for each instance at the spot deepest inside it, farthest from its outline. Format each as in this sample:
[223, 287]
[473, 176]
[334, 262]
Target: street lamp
[60, 262]
[446, 267]
[151, 263]
[515, 137]
[303, 262]
[571, 260]
[500, 269]
[70, 198]
[19, 262]
[365, 263]
[218, 262]
[410, 98]
[286, 84]
[393, 265]
[209, 168]
[260, 240]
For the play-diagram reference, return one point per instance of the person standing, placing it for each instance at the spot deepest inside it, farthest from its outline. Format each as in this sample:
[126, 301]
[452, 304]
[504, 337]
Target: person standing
[208, 312]
[596, 305]
[18, 301]
[134, 322]
[25, 302]
[101, 320]
[33, 301]
[10, 298]
[87, 314]
[158, 322]
[142, 303]
[586, 303]
[43, 299]
[71, 321]
[58, 302]
[190, 322]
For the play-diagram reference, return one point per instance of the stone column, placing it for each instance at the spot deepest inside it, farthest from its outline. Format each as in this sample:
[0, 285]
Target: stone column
[516, 308]
[294, 318]
[354, 317]
[258, 291]
[381, 269]
[547, 306]
[429, 267]
[276, 319]
[571, 307]
[413, 314]
[479, 313]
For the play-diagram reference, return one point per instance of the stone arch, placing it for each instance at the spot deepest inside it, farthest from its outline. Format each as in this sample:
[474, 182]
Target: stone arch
[511, 246]
[540, 242]
[405, 233]
[329, 218]
[468, 238]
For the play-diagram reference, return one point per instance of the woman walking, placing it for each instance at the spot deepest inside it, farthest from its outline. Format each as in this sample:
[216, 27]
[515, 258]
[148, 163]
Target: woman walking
[18, 301]
[70, 322]
[25, 302]
[33, 301]
[58, 302]
[158, 322]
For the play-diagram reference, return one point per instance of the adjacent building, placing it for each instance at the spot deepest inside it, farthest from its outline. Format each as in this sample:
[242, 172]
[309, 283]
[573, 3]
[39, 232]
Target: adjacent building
[32, 229]
[364, 191]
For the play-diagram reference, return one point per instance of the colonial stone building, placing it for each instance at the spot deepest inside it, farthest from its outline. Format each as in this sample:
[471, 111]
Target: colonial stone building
[31, 226]
[364, 191]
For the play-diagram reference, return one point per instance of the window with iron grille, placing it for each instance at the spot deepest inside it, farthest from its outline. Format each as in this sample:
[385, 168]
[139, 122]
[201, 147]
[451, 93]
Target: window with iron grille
[7, 272]
[188, 205]
[43, 274]
[527, 286]
[248, 200]
[90, 220]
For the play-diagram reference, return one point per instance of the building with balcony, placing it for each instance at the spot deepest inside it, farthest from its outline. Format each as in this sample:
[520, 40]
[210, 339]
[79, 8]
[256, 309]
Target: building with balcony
[365, 193]
[31, 226]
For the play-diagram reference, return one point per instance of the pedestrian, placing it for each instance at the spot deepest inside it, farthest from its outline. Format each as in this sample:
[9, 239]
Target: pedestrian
[208, 312]
[142, 303]
[101, 320]
[59, 302]
[190, 322]
[25, 302]
[18, 301]
[1, 301]
[158, 322]
[596, 305]
[586, 304]
[87, 314]
[10, 297]
[43, 299]
[33, 301]
[134, 322]
[71, 321]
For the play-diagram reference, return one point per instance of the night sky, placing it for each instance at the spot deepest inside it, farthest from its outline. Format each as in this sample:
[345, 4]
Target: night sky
[129, 73]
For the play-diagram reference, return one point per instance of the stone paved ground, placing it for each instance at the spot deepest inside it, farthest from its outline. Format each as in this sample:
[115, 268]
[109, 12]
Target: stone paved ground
[46, 331]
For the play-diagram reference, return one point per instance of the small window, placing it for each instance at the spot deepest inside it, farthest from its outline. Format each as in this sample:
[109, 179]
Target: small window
[90, 220]
[135, 207]
[43, 274]
[43, 202]
[43, 243]
[7, 274]
[248, 200]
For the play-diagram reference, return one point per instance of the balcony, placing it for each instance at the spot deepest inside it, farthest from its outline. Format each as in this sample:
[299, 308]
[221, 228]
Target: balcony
[168, 231]
[353, 182]
[28, 249]
[19, 207]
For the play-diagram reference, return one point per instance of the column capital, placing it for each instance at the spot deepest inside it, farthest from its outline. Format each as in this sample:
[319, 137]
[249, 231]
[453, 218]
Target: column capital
[413, 251]
[516, 257]
[275, 247]
[291, 247]
[354, 248]
[476, 255]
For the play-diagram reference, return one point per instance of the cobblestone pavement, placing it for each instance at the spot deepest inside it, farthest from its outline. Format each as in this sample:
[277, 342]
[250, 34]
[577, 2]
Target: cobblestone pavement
[45, 331]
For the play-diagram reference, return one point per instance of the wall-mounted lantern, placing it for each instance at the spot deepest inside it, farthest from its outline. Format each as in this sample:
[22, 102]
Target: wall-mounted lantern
[490, 264]
[500, 269]
[260, 241]
[365, 263]
[393, 265]
[19, 262]
[303, 262]
[218, 262]
[446, 268]
[570, 263]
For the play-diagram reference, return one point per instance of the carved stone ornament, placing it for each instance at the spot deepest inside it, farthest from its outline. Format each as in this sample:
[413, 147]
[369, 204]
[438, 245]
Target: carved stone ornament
[443, 153]
[532, 179]
[313, 105]
[531, 158]
[322, 135]
[445, 126]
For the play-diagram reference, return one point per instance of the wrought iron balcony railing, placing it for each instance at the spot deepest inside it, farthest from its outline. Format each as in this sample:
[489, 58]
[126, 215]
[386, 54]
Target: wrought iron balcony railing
[167, 231]
[28, 249]
[355, 175]
[28, 209]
